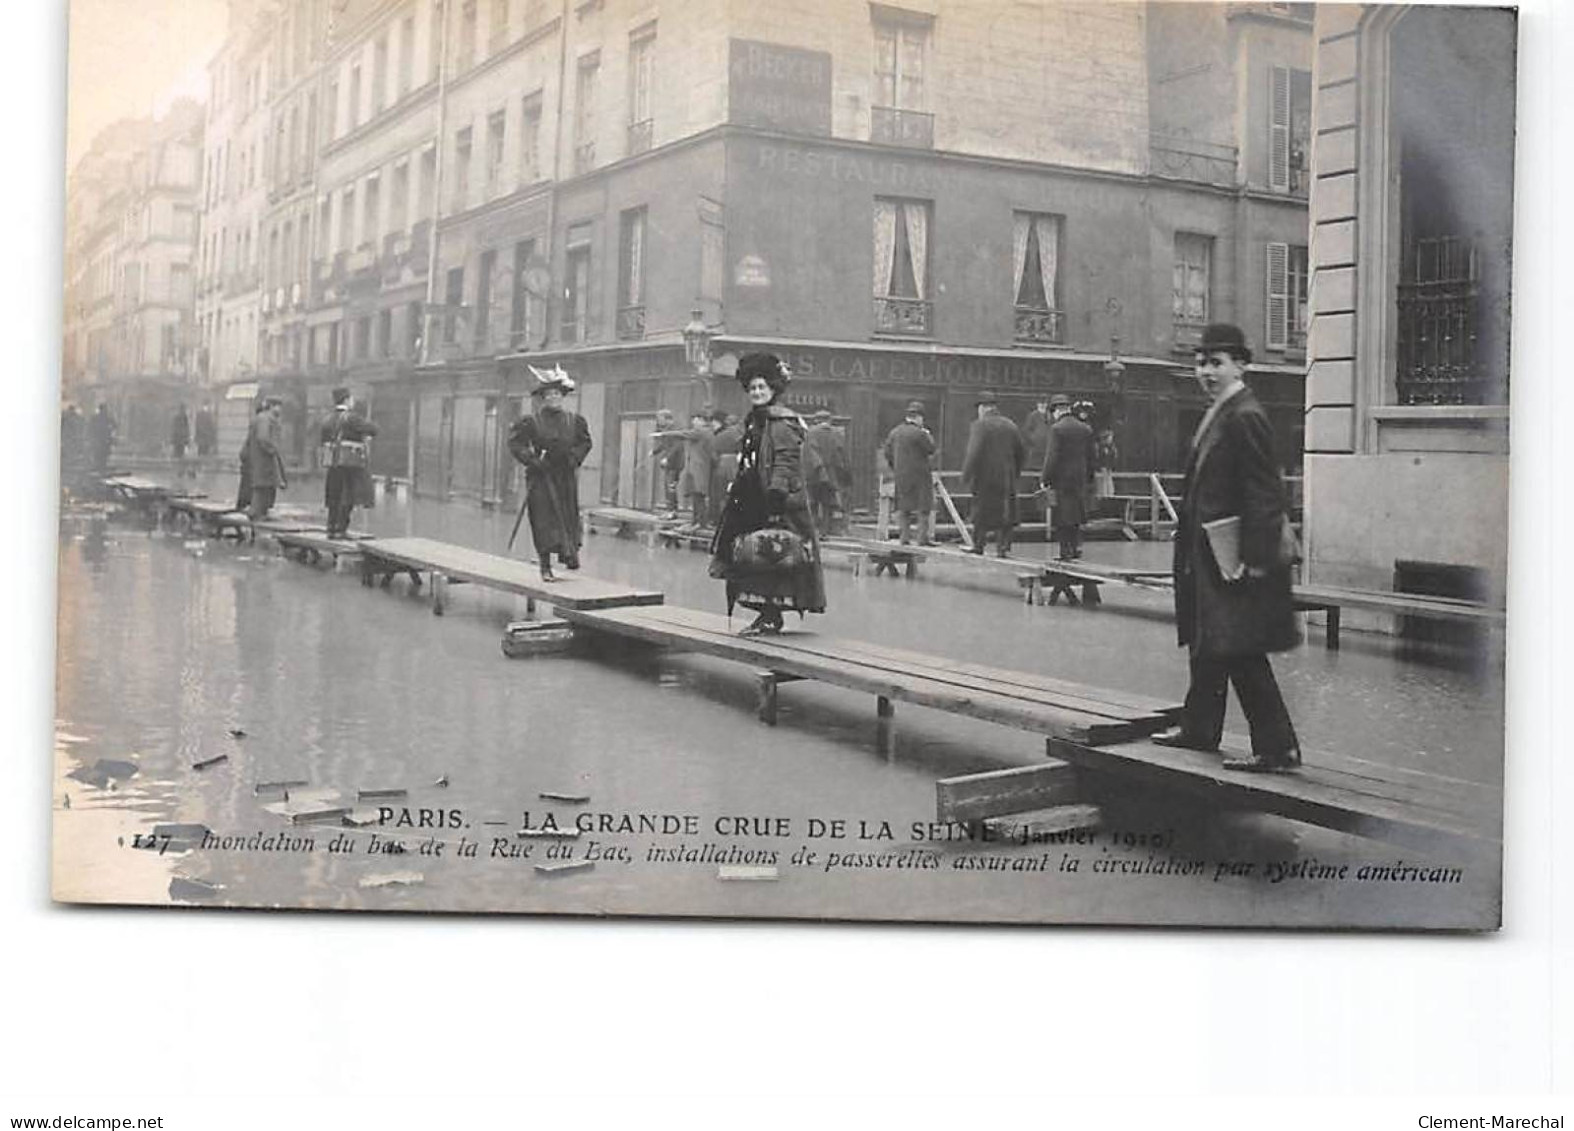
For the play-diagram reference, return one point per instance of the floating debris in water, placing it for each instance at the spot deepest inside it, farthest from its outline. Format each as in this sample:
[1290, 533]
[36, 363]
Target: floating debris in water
[442, 782]
[188, 890]
[236, 732]
[392, 879]
[569, 798]
[359, 818]
[280, 786]
[213, 761]
[70, 739]
[374, 794]
[565, 867]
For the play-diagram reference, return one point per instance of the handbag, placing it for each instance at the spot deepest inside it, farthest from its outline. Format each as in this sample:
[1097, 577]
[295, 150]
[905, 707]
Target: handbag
[770, 549]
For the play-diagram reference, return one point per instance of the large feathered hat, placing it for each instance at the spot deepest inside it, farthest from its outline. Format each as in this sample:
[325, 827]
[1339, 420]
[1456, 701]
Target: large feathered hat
[553, 378]
[766, 365]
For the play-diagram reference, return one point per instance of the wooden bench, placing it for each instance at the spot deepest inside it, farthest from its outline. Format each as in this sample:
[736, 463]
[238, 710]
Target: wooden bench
[1023, 700]
[1330, 600]
[1346, 794]
[450, 564]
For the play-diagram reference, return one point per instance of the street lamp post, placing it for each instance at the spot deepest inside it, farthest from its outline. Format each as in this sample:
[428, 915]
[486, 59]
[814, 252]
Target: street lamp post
[696, 348]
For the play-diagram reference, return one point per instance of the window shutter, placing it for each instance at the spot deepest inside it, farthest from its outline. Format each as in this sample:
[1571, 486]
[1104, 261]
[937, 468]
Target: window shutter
[1279, 130]
[1277, 333]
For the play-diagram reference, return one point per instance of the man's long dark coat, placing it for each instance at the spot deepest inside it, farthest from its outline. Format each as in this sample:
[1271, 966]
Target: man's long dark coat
[995, 452]
[1232, 471]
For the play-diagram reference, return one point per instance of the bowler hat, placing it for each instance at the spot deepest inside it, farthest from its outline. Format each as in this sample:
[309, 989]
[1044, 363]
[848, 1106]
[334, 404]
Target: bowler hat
[1060, 400]
[1221, 337]
[340, 395]
[987, 396]
[915, 408]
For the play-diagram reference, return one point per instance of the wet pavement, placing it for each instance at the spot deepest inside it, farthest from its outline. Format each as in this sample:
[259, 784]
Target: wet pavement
[175, 651]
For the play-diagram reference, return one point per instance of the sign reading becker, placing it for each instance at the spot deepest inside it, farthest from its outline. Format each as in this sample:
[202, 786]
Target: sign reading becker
[779, 88]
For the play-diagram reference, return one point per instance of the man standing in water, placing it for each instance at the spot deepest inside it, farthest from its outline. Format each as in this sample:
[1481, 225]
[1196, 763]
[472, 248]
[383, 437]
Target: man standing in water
[551, 443]
[345, 454]
[1233, 554]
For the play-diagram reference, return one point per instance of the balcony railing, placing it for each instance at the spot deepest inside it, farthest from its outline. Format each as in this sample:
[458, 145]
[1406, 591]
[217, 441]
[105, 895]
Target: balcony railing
[1039, 325]
[903, 316]
[631, 323]
[914, 129]
[584, 157]
[1188, 159]
[639, 137]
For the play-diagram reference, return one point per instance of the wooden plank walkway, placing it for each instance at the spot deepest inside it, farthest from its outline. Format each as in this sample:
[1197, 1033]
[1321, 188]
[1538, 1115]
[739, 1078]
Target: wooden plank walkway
[312, 544]
[1022, 700]
[1346, 794]
[211, 517]
[447, 563]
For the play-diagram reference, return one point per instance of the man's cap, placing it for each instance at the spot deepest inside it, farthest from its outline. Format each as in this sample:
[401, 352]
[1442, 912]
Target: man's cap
[1060, 400]
[1221, 337]
[340, 395]
[987, 396]
[915, 408]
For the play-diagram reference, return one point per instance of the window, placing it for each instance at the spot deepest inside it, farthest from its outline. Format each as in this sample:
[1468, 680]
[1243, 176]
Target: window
[497, 36]
[576, 286]
[347, 219]
[412, 330]
[379, 75]
[434, 40]
[483, 299]
[363, 338]
[901, 266]
[1035, 257]
[399, 204]
[494, 153]
[371, 216]
[1287, 316]
[1191, 287]
[519, 322]
[462, 149]
[353, 109]
[385, 332]
[1289, 129]
[530, 140]
[428, 181]
[901, 44]
[713, 249]
[585, 112]
[406, 56]
[287, 252]
[464, 57]
[325, 225]
[330, 127]
[273, 265]
[454, 299]
[642, 56]
[306, 246]
[631, 275]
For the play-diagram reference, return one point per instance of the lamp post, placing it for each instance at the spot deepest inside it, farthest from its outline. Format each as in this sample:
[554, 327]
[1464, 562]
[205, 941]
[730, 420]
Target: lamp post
[696, 349]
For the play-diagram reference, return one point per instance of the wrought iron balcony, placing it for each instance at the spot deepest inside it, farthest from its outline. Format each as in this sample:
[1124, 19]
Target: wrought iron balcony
[639, 136]
[913, 129]
[1188, 159]
[631, 323]
[1039, 325]
[894, 315]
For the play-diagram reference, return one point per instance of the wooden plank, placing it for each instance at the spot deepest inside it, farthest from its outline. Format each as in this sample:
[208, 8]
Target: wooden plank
[1318, 797]
[972, 797]
[1056, 693]
[1022, 714]
[463, 564]
[1442, 608]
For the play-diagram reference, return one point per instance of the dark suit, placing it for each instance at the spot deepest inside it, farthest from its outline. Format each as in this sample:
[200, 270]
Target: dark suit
[1231, 626]
[347, 481]
[995, 452]
[1068, 469]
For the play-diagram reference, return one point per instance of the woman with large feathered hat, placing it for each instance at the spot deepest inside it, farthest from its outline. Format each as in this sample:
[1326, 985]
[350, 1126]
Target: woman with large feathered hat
[552, 442]
[765, 547]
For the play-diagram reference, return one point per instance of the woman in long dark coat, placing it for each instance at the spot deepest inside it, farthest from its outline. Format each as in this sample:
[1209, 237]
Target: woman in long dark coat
[769, 493]
[552, 443]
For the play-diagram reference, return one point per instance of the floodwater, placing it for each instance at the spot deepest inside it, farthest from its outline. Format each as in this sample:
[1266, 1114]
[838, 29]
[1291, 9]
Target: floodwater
[175, 651]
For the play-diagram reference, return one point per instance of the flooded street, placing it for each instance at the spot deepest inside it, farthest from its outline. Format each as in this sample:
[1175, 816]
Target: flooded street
[175, 651]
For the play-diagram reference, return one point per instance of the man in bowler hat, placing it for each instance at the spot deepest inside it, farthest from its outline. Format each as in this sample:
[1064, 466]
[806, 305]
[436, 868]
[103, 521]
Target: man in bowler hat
[346, 457]
[995, 453]
[910, 450]
[1067, 472]
[1232, 615]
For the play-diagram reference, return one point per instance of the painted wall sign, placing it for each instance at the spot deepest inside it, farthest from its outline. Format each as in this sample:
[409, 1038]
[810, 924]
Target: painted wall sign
[779, 88]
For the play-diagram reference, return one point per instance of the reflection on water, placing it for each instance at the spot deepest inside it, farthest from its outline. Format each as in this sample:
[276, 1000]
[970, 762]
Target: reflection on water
[166, 649]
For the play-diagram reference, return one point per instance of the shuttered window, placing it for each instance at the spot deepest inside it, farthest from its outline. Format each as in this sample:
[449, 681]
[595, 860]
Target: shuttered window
[1279, 129]
[1276, 336]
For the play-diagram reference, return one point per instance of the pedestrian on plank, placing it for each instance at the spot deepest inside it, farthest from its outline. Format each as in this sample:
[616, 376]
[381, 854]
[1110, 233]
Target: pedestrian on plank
[102, 437]
[1067, 474]
[346, 454]
[829, 473]
[910, 451]
[995, 451]
[1233, 554]
[724, 459]
[765, 546]
[263, 458]
[551, 443]
[699, 459]
[179, 436]
[667, 449]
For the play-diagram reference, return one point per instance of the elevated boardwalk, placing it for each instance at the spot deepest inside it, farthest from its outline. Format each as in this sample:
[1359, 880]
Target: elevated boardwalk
[446, 563]
[1016, 699]
[312, 545]
[210, 517]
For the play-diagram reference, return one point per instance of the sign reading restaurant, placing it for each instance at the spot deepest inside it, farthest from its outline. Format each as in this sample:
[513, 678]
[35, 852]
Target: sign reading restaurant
[779, 88]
